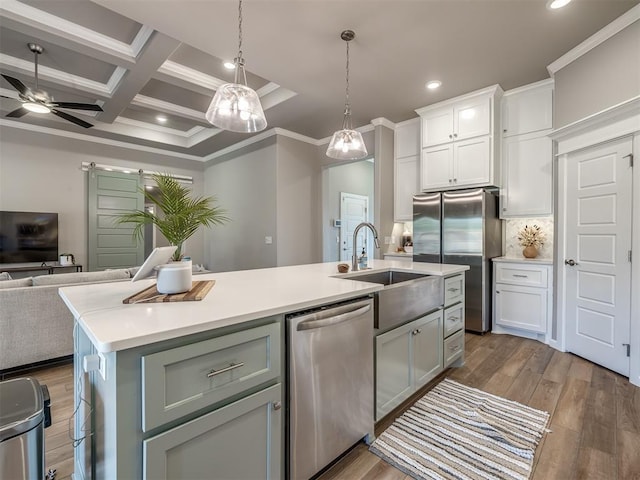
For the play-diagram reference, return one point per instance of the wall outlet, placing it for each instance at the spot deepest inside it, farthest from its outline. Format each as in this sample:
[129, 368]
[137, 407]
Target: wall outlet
[103, 366]
[268, 240]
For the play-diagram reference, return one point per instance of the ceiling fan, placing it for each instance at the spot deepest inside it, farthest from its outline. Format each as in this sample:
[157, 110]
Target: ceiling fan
[39, 101]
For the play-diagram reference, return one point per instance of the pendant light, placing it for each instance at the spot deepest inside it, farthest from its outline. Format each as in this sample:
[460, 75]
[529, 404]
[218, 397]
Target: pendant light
[347, 144]
[235, 106]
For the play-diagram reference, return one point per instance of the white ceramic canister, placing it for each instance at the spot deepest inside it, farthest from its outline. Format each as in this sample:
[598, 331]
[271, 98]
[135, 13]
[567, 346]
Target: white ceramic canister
[174, 277]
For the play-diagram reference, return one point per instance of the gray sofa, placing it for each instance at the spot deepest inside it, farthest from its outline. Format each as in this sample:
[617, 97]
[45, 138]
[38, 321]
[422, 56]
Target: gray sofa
[35, 324]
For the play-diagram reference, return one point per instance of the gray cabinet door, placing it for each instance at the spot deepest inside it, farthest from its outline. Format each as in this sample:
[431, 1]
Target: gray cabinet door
[427, 348]
[242, 441]
[393, 368]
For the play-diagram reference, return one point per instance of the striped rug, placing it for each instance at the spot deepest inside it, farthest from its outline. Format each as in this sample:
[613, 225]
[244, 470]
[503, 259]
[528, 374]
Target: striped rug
[458, 432]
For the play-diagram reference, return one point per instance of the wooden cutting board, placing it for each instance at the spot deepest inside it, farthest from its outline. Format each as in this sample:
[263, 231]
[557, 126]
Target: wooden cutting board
[199, 290]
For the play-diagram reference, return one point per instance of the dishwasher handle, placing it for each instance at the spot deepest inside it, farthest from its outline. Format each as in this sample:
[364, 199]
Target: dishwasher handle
[333, 316]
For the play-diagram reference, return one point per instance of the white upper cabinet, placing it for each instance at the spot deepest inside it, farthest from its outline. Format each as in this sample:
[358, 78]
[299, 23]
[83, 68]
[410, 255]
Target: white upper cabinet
[527, 151]
[407, 153]
[465, 119]
[528, 109]
[459, 138]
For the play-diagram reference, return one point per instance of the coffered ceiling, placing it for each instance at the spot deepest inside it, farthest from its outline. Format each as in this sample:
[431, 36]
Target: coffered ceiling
[141, 59]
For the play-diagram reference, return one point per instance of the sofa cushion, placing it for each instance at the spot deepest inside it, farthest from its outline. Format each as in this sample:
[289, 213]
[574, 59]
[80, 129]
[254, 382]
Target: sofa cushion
[5, 276]
[80, 277]
[18, 282]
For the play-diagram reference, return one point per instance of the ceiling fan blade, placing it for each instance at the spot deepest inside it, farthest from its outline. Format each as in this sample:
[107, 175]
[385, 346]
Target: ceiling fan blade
[72, 119]
[78, 106]
[17, 84]
[20, 112]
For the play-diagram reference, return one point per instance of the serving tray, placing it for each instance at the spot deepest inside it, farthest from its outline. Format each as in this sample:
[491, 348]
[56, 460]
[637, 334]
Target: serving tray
[199, 290]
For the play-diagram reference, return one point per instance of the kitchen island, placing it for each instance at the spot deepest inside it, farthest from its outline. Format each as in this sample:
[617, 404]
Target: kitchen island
[140, 402]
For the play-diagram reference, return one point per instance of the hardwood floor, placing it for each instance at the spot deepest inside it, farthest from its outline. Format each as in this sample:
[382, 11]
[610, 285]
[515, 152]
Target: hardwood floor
[595, 413]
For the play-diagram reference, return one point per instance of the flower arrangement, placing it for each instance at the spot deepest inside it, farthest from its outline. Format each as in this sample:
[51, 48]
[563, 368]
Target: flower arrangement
[531, 236]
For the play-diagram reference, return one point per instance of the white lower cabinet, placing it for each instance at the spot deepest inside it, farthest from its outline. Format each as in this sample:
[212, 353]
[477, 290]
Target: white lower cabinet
[234, 442]
[522, 297]
[406, 359]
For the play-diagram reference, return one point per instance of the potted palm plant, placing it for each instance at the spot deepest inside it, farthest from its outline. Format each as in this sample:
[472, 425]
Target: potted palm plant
[177, 216]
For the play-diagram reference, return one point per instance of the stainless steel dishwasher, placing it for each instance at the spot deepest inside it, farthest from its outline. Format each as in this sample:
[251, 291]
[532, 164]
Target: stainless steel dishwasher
[330, 358]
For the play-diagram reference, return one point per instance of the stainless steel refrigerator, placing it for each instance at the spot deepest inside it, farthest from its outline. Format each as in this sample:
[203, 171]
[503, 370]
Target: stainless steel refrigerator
[461, 227]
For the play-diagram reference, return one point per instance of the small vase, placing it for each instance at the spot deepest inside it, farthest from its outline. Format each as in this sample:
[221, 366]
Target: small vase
[530, 252]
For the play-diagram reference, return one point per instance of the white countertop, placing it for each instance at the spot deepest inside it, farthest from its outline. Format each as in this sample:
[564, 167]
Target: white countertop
[539, 261]
[236, 297]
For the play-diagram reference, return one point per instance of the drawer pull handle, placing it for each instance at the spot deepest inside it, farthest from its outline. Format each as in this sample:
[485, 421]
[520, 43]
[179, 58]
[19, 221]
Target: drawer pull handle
[454, 347]
[520, 276]
[452, 319]
[452, 290]
[277, 405]
[233, 366]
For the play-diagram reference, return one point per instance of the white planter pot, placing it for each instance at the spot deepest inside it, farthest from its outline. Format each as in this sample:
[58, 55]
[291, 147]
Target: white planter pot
[66, 260]
[174, 277]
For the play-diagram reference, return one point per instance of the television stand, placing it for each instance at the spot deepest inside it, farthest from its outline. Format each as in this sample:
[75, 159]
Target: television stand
[50, 269]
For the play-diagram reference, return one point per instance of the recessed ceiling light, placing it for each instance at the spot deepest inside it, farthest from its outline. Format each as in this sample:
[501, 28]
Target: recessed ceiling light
[555, 4]
[433, 84]
[161, 118]
[229, 65]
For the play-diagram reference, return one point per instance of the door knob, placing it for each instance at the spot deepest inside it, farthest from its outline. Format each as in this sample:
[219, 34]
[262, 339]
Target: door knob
[571, 262]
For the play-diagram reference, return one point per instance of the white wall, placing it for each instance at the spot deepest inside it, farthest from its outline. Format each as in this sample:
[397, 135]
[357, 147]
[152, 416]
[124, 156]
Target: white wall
[42, 172]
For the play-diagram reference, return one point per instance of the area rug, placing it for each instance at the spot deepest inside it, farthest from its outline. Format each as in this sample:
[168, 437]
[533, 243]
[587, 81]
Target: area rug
[458, 432]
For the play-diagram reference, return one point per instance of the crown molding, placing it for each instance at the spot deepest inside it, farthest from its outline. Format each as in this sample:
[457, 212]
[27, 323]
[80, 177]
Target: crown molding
[547, 82]
[601, 36]
[191, 75]
[27, 15]
[167, 107]
[383, 122]
[492, 90]
[93, 139]
[141, 39]
[159, 128]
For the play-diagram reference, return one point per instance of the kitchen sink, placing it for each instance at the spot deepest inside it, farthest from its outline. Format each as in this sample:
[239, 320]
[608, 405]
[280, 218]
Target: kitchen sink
[389, 277]
[405, 297]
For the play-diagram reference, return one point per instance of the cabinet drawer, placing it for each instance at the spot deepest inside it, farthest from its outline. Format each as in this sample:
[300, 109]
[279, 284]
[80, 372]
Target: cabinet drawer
[453, 290]
[453, 319]
[240, 440]
[453, 348]
[519, 274]
[184, 379]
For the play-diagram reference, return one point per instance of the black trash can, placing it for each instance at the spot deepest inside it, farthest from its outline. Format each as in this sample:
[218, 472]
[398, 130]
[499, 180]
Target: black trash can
[22, 416]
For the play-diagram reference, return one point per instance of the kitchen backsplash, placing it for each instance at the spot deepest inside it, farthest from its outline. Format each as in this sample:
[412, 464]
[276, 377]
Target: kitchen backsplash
[514, 225]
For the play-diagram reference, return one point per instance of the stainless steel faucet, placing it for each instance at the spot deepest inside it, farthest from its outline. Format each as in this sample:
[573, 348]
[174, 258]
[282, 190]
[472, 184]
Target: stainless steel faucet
[354, 256]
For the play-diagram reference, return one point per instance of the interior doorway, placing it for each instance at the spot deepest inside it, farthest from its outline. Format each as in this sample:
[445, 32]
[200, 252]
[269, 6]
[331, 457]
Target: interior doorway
[354, 209]
[355, 178]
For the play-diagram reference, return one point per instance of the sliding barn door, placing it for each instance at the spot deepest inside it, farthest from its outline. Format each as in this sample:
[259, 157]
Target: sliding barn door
[112, 245]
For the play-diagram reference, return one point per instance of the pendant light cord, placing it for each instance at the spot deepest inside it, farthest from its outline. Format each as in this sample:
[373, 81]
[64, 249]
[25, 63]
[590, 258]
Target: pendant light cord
[239, 61]
[346, 124]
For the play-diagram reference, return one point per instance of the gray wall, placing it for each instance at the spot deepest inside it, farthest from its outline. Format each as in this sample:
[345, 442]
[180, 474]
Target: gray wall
[41, 172]
[355, 178]
[605, 76]
[245, 185]
[298, 203]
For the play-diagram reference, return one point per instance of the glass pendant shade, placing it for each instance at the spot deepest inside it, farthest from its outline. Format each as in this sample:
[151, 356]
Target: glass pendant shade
[236, 107]
[347, 145]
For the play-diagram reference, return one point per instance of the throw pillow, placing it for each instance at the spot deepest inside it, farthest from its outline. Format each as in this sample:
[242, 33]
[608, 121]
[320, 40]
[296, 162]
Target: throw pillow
[5, 276]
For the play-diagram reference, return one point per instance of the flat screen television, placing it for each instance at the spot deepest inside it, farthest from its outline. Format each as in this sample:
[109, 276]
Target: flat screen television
[28, 237]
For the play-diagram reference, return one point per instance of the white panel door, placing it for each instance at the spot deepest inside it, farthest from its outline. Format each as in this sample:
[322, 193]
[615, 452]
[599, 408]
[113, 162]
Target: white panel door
[406, 186]
[353, 211]
[597, 266]
[472, 118]
[472, 162]
[437, 126]
[436, 168]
